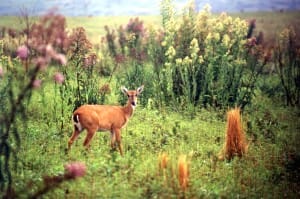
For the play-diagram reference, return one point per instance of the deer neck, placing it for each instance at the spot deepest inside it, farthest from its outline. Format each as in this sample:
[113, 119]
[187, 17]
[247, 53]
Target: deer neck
[128, 109]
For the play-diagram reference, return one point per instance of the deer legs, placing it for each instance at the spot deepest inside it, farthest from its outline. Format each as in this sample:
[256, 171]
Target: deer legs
[116, 136]
[90, 134]
[86, 143]
[73, 138]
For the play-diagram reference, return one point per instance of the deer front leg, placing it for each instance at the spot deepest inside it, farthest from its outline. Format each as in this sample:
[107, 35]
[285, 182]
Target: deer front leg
[73, 138]
[118, 139]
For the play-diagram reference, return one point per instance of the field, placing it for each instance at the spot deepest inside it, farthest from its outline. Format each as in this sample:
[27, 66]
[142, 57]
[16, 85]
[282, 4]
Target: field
[268, 22]
[170, 130]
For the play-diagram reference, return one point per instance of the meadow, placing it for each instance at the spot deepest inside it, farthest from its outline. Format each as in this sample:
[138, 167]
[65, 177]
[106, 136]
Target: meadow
[178, 117]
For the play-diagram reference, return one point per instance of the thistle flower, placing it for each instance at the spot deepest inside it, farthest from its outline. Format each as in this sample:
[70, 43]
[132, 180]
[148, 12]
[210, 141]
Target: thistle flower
[119, 58]
[72, 171]
[251, 42]
[59, 78]
[41, 62]
[61, 58]
[22, 52]
[37, 83]
[75, 169]
[50, 51]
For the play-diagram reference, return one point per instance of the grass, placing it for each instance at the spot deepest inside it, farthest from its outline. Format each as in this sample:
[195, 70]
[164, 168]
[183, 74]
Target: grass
[262, 173]
[269, 169]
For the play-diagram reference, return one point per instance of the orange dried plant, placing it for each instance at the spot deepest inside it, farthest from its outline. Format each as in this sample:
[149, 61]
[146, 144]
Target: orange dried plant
[235, 139]
[163, 161]
[183, 172]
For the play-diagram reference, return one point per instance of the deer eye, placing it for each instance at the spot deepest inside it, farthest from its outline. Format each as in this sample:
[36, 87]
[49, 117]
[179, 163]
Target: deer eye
[128, 95]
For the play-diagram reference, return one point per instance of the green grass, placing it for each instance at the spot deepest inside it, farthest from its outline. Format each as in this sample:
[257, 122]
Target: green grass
[260, 174]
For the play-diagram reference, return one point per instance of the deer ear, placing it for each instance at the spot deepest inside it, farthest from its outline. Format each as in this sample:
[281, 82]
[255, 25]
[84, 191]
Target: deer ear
[140, 89]
[124, 90]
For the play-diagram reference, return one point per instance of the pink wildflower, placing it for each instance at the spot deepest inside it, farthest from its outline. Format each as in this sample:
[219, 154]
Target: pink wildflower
[41, 62]
[22, 52]
[59, 78]
[61, 58]
[50, 51]
[86, 62]
[37, 83]
[119, 58]
[251, 41]
[75, 169]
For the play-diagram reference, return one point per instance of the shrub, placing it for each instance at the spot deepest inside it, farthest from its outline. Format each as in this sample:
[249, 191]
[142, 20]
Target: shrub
[287, 64]
[20, 77]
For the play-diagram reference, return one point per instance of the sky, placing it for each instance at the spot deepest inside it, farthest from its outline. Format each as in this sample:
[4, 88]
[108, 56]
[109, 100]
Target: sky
[136, 7]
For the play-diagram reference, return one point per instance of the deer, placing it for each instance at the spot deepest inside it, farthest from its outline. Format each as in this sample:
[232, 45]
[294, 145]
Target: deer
[110, 118]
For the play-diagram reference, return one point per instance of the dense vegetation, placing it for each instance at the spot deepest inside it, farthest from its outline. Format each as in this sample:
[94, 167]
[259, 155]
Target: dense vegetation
[195, 66]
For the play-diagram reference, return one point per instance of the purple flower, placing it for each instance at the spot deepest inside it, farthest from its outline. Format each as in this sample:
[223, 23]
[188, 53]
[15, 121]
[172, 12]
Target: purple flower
[37, 83]
[59, 78]
[75, 169]
[50, 51]
[61, 58]
[22, 52]
[41, 62]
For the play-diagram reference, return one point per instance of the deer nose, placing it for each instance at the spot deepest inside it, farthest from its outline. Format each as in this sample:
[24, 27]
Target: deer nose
[133, 103]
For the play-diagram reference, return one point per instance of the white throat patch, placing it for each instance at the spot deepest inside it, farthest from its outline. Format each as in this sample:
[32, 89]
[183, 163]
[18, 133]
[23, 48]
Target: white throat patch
[133, 106]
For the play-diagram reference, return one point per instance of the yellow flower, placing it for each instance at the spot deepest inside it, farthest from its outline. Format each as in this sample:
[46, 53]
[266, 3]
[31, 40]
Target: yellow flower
[201, 60]
[209, 36]
[217, 36]
[187, 60]
[226, 40]
[171, 52]
[178, 61]
[194, 47]
[164, 43]
[167, 64]
[219, 27]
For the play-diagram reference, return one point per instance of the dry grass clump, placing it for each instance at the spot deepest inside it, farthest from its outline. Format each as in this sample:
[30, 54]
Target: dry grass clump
[235, 139]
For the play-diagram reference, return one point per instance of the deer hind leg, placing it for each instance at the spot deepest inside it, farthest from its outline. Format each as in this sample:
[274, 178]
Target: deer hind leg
[73, 137]
[88, 138]
[112, 139]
